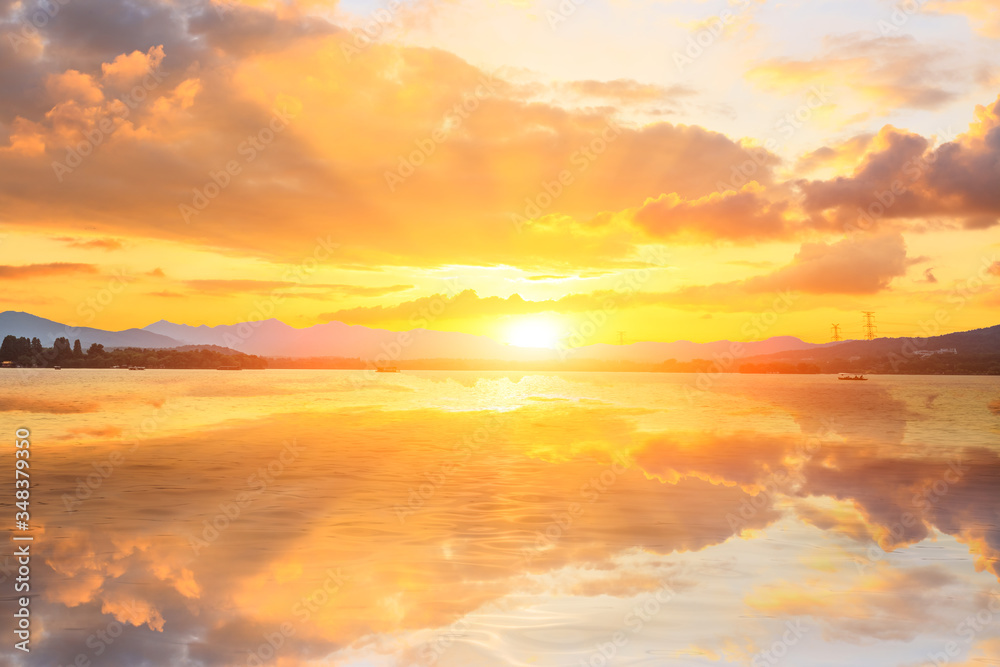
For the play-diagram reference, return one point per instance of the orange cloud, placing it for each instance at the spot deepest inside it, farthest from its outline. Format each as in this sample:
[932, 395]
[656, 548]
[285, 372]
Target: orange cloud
[100, 244]
[8, 272]
[902, 177]
[744, 217]
[127, 70]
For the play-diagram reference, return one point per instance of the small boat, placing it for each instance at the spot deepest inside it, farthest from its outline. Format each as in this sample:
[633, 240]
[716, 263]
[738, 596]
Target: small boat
[851, 376]
[57, 368]
[386, 369]
[229, 368]
[137, 368]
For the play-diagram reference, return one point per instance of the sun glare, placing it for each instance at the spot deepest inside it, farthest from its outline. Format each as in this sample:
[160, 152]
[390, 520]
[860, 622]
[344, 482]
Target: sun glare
[533, 333]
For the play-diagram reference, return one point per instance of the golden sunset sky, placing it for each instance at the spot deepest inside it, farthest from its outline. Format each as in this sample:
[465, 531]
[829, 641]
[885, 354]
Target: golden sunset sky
[688, 163]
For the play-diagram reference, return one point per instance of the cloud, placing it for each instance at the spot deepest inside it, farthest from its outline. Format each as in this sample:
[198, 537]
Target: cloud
[885, 73]
[983, 15]
[331, 161]
[627, 91]
[861, 265]
[144, 574]
[98, 244]
[886, 606]
[903, 177]
[717, 458]
[8, 272]
[127, 70]
[952, 495]
[838, 156]
[744, 217]
[230, 287]
[850, 266]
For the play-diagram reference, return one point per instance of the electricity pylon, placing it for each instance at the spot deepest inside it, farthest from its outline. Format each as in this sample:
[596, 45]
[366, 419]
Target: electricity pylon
[621, 337]
[836, 332]
[869, 325]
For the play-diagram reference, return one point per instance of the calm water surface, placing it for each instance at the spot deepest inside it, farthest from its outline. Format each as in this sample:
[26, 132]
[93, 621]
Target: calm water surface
[296, 518]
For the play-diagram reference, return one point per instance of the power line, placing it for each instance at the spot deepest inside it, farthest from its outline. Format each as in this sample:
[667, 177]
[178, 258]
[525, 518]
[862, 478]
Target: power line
[869, 325]
[836, 332]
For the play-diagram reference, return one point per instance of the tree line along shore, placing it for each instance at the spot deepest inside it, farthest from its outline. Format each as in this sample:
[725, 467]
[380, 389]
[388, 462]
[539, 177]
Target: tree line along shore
[30, 353]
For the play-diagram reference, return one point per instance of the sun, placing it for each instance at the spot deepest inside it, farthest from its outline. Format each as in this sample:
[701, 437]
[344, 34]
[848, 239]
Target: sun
[533, 332]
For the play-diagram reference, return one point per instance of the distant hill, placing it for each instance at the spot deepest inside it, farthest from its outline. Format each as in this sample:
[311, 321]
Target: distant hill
[31, 326]
[976, 351]
[274, 338]
[687, 351]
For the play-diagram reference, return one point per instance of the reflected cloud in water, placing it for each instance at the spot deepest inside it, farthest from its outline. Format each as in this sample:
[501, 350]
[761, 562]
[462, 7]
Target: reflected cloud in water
[457, 519]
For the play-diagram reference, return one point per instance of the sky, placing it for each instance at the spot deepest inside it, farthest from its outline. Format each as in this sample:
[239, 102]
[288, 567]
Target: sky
[512, 168]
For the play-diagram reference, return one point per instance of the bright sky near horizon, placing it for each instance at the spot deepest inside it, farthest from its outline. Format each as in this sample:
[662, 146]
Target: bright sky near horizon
[670, 169]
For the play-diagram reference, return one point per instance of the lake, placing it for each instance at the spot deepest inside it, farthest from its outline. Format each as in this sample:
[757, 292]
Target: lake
[295, 518]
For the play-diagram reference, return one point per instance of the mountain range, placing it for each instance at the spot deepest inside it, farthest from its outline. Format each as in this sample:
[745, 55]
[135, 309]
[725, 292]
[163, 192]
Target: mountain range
[273, 338]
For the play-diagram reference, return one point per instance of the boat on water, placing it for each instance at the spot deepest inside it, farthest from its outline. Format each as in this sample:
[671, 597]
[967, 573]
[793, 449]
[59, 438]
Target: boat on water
[387, 369]
[137, 368]
[57, 368]
[860, 377]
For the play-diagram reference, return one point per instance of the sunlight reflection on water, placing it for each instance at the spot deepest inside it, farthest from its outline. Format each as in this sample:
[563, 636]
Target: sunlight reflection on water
[461, 518]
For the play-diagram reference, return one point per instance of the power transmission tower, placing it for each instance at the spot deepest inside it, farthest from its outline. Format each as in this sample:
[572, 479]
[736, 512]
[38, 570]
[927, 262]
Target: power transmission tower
[869, 325]
[836, 332]
[621, 337]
